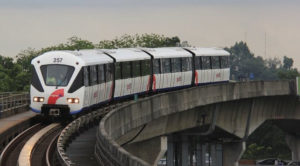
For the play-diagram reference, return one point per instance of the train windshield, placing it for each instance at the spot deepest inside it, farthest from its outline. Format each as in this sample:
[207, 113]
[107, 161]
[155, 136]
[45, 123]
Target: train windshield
[57, 75]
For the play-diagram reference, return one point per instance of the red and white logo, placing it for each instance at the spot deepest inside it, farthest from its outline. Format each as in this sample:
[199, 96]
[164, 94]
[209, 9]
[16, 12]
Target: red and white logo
[55, 95]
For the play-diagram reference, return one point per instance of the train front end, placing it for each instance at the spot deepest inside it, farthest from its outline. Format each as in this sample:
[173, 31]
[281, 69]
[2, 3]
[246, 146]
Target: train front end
[55, 88]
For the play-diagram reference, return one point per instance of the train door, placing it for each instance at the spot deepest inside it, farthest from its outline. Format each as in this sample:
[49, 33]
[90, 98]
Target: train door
[87, 93]
[225, 68]
[156, 75]
[166, 73]
[216, 69]
[101, 83]
[136, 77]
[177, 75]
[187, 71]
[126, 78]
[108, 81]
[93, 85]
[198, 70]
[206, 69]
[145, 75]
[118, 81]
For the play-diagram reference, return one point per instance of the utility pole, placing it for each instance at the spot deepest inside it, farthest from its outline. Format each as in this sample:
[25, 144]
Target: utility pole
[266, 45]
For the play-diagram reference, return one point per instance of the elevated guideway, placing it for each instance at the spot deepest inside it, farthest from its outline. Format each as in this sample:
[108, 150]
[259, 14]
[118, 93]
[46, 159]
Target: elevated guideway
[141, 132]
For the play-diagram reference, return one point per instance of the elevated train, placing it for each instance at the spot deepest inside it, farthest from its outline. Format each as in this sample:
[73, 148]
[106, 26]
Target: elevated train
[69, 82]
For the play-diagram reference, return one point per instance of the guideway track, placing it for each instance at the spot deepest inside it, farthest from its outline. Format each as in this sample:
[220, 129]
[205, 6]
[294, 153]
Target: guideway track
[33, 152]
[10, 154]
[33, 146]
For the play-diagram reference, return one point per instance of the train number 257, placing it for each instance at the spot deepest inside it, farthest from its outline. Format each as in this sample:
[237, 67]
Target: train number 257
[57, 60]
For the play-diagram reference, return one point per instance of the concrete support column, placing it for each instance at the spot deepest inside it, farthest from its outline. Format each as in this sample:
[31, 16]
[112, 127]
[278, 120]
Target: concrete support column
[150, 151]
[232, 152]
[170, 152]
[198, 154]
[294, 144]
[204, 151]
[213, 155]
[219, 154]
[184, 151]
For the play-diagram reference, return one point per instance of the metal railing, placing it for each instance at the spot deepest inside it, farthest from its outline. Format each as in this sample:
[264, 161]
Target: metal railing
[9, 102]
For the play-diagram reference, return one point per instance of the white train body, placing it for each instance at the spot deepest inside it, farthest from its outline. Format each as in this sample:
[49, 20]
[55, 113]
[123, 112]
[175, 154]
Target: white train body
[69, 82]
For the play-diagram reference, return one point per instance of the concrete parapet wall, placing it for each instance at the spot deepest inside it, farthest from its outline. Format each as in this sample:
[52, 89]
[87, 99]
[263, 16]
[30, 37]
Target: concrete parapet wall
[136, 114]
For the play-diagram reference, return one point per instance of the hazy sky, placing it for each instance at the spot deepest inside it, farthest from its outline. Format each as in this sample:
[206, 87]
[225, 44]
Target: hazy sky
[207, 23]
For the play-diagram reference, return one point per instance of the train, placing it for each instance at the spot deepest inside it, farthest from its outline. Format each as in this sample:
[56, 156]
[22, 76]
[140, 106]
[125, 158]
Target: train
[67, 83]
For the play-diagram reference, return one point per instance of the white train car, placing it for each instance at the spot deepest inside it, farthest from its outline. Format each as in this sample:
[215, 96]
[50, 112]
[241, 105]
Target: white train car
[69, 82]
[172, 68]
[132, 72]
[66, 82]
[211, 65]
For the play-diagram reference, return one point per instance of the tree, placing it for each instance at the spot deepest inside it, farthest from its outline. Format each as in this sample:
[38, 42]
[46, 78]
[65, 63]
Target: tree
[287, 63]
[267, 141]
[244, 64]
[288, 74]
[144, 40]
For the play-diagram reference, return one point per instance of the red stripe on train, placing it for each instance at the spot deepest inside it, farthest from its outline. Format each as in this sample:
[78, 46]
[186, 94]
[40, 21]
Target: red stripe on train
[55, 95]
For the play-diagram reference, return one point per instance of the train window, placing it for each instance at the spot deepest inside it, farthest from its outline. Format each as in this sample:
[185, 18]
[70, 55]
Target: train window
[93, 75]
[186, 64]
[176, 65]
[156, 66]
[101, 74]
[109, 72]
[118, 71]
[126, 70]
[224, 62]
[57, 75]
[86, 76]
[166, 65]
[136, 69]
[35, 81]
[146, 69]
[206, 62]
[198, 63]
[215, 61]
[78, 82]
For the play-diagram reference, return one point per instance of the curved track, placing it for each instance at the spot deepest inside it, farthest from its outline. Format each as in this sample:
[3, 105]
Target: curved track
[41, 153]
[34, 151]
[33, 147]
[10, 154]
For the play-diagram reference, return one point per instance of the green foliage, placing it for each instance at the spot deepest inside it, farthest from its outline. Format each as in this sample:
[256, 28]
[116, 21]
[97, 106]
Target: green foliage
[145, 40]
[287, 63]
[268, 141]
[244, 63]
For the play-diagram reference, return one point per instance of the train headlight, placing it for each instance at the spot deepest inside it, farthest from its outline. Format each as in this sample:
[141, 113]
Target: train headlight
[76, 101]
[38, 99]
[73, 100]
[70, 100]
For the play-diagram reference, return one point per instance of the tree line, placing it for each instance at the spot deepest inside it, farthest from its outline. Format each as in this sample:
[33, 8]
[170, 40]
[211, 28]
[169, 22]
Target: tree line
[15, 74]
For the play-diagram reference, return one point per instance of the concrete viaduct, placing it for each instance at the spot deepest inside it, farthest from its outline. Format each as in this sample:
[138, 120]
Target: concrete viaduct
[180, 123]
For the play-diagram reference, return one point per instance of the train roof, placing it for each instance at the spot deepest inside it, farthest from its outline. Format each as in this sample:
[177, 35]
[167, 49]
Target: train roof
[83, 57]
[208, 51]
[102, 56]
[127, 54]
[92, 57]
[168, 52]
